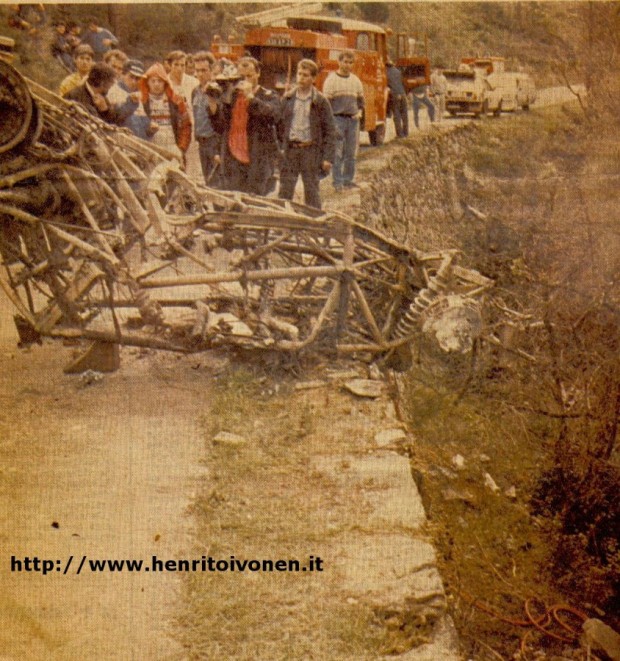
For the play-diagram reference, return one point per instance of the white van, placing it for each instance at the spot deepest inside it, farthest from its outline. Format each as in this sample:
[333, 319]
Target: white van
[510, 91]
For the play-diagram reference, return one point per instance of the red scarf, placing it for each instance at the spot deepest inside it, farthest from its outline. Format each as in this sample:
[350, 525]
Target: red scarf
[238, 135]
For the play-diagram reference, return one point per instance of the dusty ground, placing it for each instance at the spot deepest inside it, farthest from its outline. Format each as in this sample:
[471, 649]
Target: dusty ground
[106, 471]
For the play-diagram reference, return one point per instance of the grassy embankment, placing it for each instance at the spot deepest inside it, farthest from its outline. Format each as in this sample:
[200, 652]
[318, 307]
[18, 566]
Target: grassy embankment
[541, 423]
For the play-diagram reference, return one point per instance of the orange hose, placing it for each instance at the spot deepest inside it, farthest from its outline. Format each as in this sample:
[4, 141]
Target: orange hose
[540, 623]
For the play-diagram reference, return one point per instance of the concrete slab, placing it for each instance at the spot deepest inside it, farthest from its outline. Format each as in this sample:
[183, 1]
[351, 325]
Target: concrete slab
[390, 572]
[384, 482]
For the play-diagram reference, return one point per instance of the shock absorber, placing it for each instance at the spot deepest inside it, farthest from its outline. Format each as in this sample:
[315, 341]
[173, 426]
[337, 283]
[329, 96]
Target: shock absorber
[436, 286]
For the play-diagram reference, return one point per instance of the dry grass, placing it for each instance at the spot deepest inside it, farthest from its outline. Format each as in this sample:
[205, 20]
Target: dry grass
[264, 500]
[543, 240]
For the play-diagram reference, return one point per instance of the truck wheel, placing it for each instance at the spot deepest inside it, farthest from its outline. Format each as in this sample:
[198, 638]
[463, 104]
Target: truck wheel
[377, 137]
[498, 111]
[485, 109]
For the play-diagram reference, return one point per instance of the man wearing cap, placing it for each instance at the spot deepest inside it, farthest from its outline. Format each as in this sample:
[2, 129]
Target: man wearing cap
[83, 56]
[124, 96]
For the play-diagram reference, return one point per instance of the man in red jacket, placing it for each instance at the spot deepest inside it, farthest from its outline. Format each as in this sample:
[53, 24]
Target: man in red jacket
[247, 120]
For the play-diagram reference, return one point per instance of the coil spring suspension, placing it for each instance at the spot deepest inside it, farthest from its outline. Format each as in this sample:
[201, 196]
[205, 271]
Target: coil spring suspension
[437, 285]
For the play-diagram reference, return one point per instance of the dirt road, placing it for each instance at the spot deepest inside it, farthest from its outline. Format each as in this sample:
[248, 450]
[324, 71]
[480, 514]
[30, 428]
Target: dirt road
[107, 471]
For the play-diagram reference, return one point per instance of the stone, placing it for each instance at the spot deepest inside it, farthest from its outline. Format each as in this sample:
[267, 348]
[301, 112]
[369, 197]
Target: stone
[450, 494]
[389, 412]
[511, 492]
[490, 484]
[375, 373]
[229, 439]
[365, 388]
[458, 461]
[405, 577]
[89, 377]
[601, 637]
[390, 436]
[309, 385]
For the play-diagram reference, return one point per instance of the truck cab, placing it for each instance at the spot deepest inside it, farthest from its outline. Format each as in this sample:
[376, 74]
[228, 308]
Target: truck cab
[466, 91]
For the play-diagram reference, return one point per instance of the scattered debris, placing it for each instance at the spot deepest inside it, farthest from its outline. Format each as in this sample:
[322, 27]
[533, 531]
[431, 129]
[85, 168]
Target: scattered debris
[455, 322]
[463, 496]
[89, 377]
[511, 492]
[309, 385]
[343, 375]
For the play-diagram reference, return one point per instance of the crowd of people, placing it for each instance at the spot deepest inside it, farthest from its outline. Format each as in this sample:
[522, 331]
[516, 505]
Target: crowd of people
[200, 108]
[244, 133]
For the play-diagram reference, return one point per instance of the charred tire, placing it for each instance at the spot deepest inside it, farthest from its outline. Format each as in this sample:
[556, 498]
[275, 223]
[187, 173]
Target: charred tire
[377, 137]
[20, 117]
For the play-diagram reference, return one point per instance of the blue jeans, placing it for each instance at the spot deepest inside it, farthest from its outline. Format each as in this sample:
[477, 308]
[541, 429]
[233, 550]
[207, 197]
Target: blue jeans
[418, 102]
[347, 129]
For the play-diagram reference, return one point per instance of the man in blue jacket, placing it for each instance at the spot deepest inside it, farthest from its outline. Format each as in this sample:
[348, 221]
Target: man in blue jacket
[307, 134]
[124, 96]
[99, 39]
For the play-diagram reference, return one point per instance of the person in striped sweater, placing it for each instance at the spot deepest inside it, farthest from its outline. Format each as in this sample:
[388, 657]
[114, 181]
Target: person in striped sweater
[343, 89]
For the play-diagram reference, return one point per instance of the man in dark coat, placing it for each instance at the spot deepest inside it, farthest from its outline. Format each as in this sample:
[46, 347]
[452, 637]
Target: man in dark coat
[246, 119]
[397, 100]
[92, 93]
[307, 134]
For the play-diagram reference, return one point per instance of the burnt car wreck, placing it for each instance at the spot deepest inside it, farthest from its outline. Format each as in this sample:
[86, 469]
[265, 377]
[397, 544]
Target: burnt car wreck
[104, 237]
